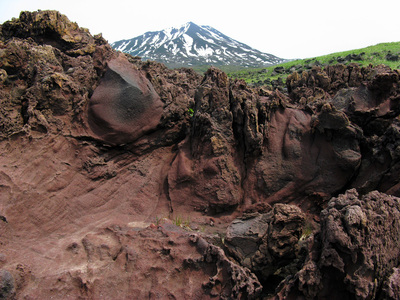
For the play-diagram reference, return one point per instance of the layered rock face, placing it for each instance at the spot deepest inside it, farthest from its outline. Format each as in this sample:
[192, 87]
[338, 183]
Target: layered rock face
[98, 146]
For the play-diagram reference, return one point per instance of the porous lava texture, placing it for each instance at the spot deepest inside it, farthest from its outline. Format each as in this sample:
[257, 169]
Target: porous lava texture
[347, 261]
[124, 179]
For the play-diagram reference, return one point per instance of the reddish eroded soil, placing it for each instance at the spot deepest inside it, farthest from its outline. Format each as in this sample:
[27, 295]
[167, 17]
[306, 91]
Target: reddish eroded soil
[96, 147]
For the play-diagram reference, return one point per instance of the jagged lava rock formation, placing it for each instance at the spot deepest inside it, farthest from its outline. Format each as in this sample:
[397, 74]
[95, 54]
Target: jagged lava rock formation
[97, 146]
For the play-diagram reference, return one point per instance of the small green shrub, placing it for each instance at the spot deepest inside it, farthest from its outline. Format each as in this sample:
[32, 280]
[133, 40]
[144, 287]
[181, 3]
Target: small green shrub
[158, 221]
[179, 221]
[307, 230]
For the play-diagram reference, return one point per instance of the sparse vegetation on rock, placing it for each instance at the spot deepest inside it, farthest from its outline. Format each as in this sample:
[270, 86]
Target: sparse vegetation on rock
[295, 189]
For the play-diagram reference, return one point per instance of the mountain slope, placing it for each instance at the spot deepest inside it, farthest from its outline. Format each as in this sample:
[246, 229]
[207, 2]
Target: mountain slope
[384, 53]
[193, 45]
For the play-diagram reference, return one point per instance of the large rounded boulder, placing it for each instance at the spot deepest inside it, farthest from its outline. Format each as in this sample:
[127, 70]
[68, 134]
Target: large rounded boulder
[124, 106]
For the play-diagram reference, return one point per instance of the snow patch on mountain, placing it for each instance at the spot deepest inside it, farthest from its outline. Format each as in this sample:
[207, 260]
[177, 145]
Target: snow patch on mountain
[204, 51]
[191, 45]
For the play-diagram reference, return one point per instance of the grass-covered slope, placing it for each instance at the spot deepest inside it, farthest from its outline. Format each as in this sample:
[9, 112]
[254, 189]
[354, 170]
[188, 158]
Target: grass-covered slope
[385, 53]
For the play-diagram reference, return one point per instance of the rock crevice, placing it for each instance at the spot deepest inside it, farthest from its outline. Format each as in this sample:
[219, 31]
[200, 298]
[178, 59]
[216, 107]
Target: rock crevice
[93, 141]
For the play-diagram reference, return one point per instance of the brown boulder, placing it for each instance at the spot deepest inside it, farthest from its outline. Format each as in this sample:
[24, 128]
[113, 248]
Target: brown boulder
[125, 105]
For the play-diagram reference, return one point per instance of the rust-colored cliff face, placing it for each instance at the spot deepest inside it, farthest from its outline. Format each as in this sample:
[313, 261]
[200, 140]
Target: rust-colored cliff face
[100, 151]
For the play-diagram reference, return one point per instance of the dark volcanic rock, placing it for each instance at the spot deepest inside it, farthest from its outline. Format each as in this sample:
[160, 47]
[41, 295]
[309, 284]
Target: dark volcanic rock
[392, 57]
[391, 288]
[7, 285]
[357, 243]
[267, 243]
[125, 105]
[357, 252]
[369, 97]
[51, 28]
[231, 281]
[44, 80]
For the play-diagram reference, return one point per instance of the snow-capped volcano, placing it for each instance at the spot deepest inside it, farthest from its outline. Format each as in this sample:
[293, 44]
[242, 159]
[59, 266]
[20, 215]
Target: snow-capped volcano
[193, 45]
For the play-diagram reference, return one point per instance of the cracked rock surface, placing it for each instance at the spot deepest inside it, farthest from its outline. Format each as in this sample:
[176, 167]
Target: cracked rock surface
[105, 158]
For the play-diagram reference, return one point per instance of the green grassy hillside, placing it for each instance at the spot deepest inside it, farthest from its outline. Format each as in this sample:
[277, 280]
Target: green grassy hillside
[385, 53]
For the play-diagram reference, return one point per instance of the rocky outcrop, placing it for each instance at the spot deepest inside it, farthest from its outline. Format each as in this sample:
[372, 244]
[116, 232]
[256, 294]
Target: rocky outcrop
[356, 253]
[97, 145]
[206, 169]
[369, 99]
[268, 244]
[351, 228]
[51, 28]
[231, 281]
[50, 67]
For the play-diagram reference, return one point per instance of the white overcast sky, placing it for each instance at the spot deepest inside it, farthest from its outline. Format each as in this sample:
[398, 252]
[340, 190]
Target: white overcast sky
[285, 28]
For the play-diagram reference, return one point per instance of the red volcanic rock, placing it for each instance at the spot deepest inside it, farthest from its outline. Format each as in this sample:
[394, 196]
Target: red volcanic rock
[120, 262]
[125, 105]
[304, 155]
[206, 168]
[95, 146]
